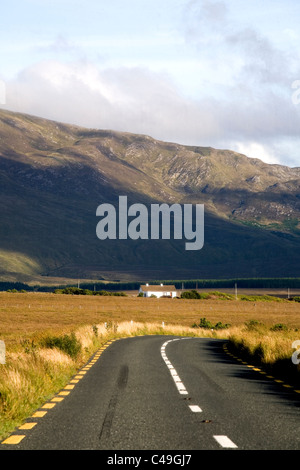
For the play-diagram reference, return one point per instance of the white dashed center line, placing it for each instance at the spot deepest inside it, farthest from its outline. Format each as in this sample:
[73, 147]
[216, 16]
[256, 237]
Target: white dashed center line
[195, 408]
[178, 382]
[223, 441]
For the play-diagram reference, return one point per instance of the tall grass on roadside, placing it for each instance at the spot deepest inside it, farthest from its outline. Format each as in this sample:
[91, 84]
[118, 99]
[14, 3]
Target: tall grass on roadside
[27, 380]
[41, 366]
[39, 370]
[269, 347]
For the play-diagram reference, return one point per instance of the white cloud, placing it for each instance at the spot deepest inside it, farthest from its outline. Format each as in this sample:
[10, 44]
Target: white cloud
[228, 84]
[141, 101]
[255, 150]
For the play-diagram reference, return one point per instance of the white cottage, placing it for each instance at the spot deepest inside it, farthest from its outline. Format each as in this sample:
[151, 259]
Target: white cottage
[158, 291]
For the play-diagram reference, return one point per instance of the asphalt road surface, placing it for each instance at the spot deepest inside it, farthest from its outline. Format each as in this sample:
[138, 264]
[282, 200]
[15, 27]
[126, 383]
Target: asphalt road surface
[165, 393]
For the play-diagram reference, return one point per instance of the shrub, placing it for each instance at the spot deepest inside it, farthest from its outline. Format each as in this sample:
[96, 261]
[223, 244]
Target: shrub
[28, 346]
[208, 325]
[205, 323]
[221, 326]
[279, 327]
[191, 294]
[67, 343]
[262, 298]
[78, 291]
[204, 295]
[95, 330]
[252, 325]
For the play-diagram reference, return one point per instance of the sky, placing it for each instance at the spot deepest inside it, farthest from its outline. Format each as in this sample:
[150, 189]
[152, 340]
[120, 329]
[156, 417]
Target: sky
[224, 74]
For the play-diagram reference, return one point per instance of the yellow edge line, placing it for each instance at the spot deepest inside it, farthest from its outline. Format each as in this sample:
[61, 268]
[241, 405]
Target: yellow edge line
[259, 370]
[17, 438]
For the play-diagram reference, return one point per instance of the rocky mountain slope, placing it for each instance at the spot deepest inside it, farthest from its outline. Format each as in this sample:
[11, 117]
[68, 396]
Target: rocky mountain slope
[53, 176]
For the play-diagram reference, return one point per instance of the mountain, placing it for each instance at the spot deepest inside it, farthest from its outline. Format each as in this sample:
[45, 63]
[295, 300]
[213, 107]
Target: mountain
[53, 176]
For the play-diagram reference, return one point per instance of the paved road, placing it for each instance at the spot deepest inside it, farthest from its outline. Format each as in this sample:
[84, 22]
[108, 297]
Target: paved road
[167, 393]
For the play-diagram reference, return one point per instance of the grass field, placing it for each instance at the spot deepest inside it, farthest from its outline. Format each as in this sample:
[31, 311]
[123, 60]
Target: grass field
[26, 314]
[50, 336]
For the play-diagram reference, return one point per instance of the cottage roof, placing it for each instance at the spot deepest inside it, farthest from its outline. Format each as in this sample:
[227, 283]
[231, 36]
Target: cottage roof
[158, 288]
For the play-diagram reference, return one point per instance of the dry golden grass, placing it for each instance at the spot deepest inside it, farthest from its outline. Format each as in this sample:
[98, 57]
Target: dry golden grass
[34, 372]
[33, 314]
[54, 356]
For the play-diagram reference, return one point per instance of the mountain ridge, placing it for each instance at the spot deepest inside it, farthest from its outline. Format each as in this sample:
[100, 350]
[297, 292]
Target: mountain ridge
[54, 175]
